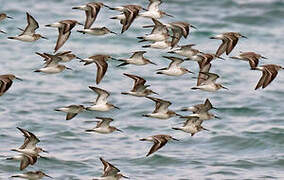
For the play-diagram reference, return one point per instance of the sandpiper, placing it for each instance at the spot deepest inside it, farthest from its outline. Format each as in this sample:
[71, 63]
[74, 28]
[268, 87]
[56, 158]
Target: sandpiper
[161, 110]
[130, 12]
[139, 88]
[202, 115]
[159, 33]
[31, 175]
[101, 103]
[209, 83]
[28, 35]
[30, 139]
[159, 141]
[65, 56]
[251, 57]
[229, 41]
[159, 45]
[174, 68]
[103, 126]
[200, 107]
[101, 62]
[153, 10]
[192, 125]
[51, 65]
[64, 28]
[91, 10]
[6, 81]
[186, 50]
[97, 31]
[110, 172]
[137, 58]
[269, 73]
[26, 160]
[2, 17]
[204, 58]
[71, 110]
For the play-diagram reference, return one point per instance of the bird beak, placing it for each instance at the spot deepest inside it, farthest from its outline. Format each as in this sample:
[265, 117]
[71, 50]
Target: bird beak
[155, 93]
[225, 88]
[193, 27]
[44, 37]
[3, 32]
[106, 6]
[113, 32]
[113, 58]
[79, 58]
[263, 57]
[80, 24]
[48, 176]
[175, 139]
[217, 117]
[214, 108]
[179, 115]
[189, 71]
[220, 57]
[69, 68]
[169, 15]
[145, 9]
[152, 63]
[45, 151]
[19, 78]
[119, 130]
[10, 17]
[116, 107]
[244, 36]
[125, 177]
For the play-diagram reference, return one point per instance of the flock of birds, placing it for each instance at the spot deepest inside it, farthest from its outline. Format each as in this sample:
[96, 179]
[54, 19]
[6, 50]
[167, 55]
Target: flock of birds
[162, 36]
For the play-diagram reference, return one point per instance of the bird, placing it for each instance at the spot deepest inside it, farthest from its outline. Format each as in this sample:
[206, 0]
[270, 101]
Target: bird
[269, 73]
[2, 17]
[153, 10]
[97, 31]
[200, 107]
[71, 110]
[139, 88]
[64, 56]
[103, 126]
[251, 57]
[179, 29]
[6, 81]
[101, 103]
[186, 51]
[32, 175]
[202, 115]
[64, 29]
[161, 110]
[130, 12]
[51, 64]
[209, 83]
[159, 45]
[101, 62]
[137, 58]
[159, 141]
[174, 68]
[91, 10]
[192, 125]
[229, 41]
[28, 34]
[110, 172]
[30, 139]
[159, 32]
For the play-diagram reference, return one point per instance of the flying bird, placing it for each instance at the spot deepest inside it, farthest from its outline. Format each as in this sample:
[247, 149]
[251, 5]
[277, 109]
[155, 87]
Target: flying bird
[174, 68]
[71, 110]
[28, 34]
[103, 126]
[251, 57]
[137, 58]
[159, 141]
[6, 81]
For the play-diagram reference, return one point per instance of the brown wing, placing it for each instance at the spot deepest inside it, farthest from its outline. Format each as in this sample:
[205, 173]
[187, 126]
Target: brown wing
[222, 48]
[138, 81]
[253, 61]
[62, 38]
[202, 77]
[5, 85]
[177, 33]
[158, 144]
[31, 26]
[130, 15]
[272, 73]
[231, 44]
[109, 169]
[101, 69]
[262, 79]
[91, 14]
[70, 115]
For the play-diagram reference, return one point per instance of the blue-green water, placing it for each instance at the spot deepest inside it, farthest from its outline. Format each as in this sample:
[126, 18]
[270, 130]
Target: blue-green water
[247, 143]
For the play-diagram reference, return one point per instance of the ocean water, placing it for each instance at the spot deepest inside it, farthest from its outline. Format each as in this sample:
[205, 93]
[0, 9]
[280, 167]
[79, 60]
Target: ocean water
[247, 143]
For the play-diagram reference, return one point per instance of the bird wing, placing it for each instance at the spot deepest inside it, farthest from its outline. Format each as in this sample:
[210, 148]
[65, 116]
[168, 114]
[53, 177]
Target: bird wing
[158, 144]
[102, 95]
[138, 54]
[62, 38]
[202, 77]
[177, 33]
[91, 14]
[31, 27]
[161, 105]
[101, 69]
[223, 47]
[130, 15]
[69, 115]
[5, 84]
[231, 44]
[154, 5]
[175, 61]
[109, 169]
[138, 82]
[272, 73]
[104, 122]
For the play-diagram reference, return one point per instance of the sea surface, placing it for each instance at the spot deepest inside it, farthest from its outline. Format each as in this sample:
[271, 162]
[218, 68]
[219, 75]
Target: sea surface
[246, 143]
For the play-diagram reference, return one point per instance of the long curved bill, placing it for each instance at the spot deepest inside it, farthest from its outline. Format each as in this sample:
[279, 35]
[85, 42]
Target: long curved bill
[18, 78]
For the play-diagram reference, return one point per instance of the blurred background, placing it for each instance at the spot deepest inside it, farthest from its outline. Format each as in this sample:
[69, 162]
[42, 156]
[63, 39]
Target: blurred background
[246, 143]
